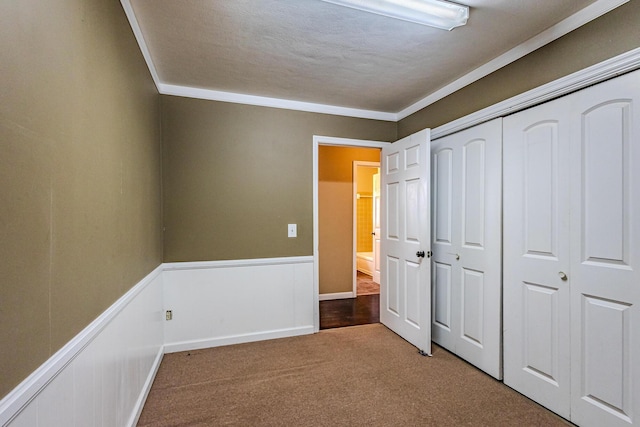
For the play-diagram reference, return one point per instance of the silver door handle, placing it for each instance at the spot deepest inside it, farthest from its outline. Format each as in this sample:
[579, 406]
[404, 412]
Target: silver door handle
[563, 276]
[457, 256]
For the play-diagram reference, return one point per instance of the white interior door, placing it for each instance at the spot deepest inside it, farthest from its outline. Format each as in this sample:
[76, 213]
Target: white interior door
[605, 254]
[467, 241]
[376, 228]
[405, 291]
[536, 248]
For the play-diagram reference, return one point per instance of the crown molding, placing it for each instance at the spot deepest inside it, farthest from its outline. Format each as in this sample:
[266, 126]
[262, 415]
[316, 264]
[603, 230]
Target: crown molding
[580, 18]
[238, 98]
[591, 12]
[597, 73]
[137, 32]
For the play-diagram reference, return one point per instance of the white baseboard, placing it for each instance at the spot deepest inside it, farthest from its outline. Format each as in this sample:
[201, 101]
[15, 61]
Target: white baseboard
[146, 388]
[337, 295]
[237, 339]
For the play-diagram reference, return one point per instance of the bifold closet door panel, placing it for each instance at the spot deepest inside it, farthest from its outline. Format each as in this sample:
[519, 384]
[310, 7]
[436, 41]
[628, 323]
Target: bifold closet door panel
[572, 253]
[536, 249]
[466, 284]
[605, 254]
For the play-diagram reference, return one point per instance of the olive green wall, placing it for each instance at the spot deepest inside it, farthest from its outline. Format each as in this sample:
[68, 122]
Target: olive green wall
[335, 214]
[612, 34]
[235, 175]
[80, 162]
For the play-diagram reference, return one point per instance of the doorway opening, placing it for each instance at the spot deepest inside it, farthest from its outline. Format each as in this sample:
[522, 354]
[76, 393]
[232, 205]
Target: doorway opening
[366, 227]
[335, 263]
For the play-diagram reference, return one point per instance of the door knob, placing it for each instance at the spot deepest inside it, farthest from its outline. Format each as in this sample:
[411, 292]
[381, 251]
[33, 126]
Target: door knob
[457, 256]
[420, 254]
[563, 276]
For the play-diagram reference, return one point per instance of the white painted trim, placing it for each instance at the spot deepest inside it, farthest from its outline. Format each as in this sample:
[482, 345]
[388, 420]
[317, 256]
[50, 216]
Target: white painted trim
[262, 101]
[317, 141]
[223, 302]
[237, 339]
[597, 73]
[19, 397]
[137, 32]
[591, 12]
[336, 295]
[174, 266]
[354, 182]
[146, 388]
[347, 142]
[588, 14]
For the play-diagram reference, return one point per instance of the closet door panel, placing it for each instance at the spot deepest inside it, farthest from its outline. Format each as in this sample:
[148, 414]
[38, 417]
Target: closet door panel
[442, 182]
[467, 196]
[473, 307]
[536, 250]
[605, 254]
[445, 330]
[540, 308]
[604, 168]
[473, 197]
[540, 189]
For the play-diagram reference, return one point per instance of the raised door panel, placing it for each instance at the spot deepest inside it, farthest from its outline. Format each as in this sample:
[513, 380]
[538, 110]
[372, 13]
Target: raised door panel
[442, 192]
[540, 351]
[605, 255]
[392, 300]
[540, 189]
[473, 193]
[472, 312]
[536, 250]
[442, 327]
[605, 183]
[606, 380]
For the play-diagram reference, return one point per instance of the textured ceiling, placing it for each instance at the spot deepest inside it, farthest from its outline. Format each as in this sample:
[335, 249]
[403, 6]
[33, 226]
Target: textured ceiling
[312, 51]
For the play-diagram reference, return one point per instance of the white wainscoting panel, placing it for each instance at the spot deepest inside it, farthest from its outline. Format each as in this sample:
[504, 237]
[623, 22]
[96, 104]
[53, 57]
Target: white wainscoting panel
[103, 375]
[228, 302]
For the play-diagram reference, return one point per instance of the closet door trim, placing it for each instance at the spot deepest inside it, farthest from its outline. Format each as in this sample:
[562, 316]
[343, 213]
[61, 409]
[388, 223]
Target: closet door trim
[621, 64]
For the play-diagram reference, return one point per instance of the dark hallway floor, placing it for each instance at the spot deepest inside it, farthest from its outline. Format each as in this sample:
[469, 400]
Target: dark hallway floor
[338, 313]
[363, 310]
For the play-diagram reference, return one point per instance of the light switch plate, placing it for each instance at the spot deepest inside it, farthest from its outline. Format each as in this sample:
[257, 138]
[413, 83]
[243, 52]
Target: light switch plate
[293, 230]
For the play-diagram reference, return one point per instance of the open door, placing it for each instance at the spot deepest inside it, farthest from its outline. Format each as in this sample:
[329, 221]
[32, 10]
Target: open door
[405, 288]
[376, 228]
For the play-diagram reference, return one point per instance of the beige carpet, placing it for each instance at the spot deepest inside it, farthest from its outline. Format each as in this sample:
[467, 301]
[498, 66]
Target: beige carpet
[366, 285]
[356, 376]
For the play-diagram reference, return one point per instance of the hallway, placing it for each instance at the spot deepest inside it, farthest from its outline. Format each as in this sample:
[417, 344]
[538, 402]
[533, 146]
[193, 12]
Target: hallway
[363, 310]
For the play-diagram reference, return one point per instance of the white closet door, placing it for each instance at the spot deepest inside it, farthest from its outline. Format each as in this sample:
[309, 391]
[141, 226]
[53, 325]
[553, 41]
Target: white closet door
[572, 253]
[605, 254]
[466, 183]
[536, 249]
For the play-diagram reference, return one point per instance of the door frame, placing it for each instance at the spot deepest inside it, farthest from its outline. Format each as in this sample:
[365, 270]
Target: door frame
[356, 165]
[319, 140]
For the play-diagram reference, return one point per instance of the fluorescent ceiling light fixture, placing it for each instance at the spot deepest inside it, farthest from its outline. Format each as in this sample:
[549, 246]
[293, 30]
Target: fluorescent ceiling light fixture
[434, 13]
